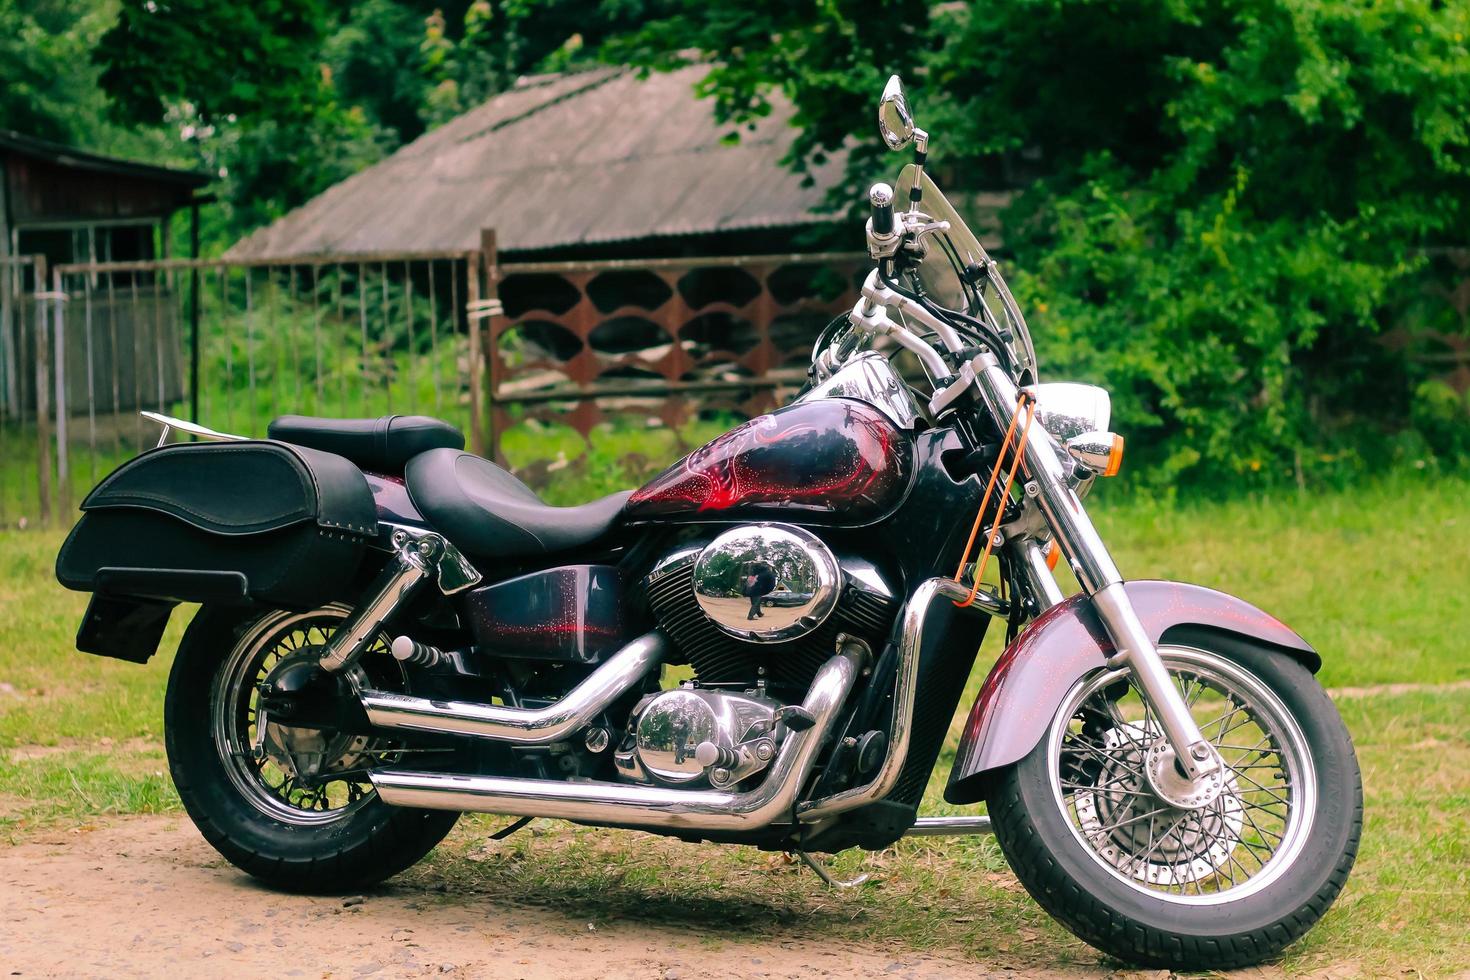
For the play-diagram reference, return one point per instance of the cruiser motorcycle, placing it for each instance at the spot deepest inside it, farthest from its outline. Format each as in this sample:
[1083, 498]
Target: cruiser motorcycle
[393, 631]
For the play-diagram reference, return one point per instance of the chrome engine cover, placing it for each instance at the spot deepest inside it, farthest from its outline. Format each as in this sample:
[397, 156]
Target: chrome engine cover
[694, 735]
[767, 583]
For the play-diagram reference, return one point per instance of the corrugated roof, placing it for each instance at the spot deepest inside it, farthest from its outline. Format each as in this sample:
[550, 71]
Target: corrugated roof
[573, 159]
[70, 156]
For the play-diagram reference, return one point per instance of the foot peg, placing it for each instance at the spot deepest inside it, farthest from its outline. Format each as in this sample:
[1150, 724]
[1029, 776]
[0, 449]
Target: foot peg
[795, 718]
[407, 650]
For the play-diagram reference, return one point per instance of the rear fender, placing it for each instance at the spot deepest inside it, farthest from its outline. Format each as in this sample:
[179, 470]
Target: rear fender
[1026, 686]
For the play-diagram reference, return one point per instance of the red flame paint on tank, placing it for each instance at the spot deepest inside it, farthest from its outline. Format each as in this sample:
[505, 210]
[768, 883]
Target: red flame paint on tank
[833, 460]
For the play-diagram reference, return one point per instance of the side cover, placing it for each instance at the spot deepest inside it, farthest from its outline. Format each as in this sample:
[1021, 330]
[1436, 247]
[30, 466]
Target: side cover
[1026, 686]
[222, 521]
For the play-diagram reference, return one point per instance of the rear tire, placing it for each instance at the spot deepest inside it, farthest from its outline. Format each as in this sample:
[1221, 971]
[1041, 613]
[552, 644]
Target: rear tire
[348, 847]
[1122, 904]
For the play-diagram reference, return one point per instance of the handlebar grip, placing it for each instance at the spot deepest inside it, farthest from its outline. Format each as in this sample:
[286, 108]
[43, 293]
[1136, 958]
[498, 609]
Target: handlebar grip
[880, 196]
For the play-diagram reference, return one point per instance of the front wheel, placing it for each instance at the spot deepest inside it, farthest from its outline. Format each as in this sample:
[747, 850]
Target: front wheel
[1109, 839]
[291, 806]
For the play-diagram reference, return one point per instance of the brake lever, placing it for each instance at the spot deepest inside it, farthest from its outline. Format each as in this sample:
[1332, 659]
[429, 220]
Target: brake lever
[917, 244]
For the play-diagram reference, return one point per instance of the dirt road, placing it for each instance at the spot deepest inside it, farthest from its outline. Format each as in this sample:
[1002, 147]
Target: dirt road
[146, 897]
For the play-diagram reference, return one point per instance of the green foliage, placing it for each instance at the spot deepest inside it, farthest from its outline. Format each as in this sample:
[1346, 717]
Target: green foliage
[1224, 201]
[33, 39]
[49, 89]
[374, 61]
[1442, 416]
[224, 59]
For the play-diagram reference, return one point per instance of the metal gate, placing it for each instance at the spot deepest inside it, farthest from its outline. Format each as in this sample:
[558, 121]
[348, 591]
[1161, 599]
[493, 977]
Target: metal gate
[234, 344]
[487, 346]
[25, 387]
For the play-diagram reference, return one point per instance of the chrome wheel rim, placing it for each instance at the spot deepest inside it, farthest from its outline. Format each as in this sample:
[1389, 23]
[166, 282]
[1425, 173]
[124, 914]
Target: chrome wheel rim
[1103, 756]
[258, 774]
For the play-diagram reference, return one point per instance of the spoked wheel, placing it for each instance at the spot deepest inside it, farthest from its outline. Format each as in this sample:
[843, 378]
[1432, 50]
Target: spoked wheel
[1109, 836]
[300, 775]
[287, 802]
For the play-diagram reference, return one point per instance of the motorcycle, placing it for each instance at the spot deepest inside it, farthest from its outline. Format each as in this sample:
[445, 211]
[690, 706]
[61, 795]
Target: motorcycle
[393, 631]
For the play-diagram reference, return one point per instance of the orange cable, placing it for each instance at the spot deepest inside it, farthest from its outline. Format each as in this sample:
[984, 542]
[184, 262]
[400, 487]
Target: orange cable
[1027, 404]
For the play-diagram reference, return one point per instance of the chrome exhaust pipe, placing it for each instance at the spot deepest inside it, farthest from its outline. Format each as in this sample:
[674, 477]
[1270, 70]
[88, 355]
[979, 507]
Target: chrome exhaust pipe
[524, 726]
[949, 827]
[911, 641]
[627, 805]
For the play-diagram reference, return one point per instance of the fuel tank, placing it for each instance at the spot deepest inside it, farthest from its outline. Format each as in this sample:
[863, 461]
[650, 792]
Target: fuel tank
[834, 462]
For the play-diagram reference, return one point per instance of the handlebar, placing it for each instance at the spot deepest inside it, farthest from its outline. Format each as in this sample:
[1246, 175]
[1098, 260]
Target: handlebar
[880, 196]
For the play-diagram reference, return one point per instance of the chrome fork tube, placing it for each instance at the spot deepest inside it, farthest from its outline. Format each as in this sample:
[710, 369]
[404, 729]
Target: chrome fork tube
[1043, 583]
[1099, 577]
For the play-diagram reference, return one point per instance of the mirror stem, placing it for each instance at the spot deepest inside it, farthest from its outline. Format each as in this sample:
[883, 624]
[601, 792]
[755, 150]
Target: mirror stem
[921, 155]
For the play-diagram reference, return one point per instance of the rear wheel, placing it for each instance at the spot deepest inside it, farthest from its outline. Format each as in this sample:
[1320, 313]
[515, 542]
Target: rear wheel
[1108, 837]
[289, 804]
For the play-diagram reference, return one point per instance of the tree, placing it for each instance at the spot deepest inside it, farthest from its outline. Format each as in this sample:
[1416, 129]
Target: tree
[1221, 200]
[47, 86]
[282, 98]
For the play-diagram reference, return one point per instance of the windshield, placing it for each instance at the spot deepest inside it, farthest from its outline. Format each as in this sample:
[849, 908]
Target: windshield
[942, 276]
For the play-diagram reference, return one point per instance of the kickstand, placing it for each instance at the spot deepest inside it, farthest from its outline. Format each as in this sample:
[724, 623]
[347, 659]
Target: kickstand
[506, 831]
[826, 875]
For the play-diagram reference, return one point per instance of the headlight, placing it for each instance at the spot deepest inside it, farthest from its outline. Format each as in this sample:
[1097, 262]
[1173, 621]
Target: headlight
[1077, 417]
[1066, 410]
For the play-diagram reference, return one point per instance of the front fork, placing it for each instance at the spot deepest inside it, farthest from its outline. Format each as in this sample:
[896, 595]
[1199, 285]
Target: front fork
[1090, 562]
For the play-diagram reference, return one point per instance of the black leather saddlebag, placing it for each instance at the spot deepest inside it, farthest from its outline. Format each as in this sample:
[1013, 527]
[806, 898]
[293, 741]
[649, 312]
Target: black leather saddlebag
[222, 522]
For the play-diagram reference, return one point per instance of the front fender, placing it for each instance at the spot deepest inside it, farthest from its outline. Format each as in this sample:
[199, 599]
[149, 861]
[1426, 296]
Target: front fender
[1026, 686]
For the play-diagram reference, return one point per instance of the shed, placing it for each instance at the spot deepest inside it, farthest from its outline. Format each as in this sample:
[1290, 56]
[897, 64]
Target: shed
[71, 206]
[75, 206]
[580, 165]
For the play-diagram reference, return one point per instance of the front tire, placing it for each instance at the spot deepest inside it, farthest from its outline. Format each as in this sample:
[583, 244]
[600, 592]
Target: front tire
[1084, 824]
[319, 836]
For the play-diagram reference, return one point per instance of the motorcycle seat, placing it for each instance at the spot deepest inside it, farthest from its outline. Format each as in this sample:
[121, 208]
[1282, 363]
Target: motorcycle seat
[486, 511]
[381, 445]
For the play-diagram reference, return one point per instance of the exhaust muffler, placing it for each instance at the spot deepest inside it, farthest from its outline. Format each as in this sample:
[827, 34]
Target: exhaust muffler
[524, 726]
[645, 806]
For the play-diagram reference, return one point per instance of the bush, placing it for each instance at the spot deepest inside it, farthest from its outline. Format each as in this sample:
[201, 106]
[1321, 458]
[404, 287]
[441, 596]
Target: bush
[1226, 200]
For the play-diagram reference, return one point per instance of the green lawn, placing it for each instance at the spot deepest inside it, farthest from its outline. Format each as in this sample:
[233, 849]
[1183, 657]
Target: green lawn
[1375, 577]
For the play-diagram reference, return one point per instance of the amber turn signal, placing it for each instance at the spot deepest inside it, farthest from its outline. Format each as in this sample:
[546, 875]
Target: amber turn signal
[1115, 457]
[1053, 553]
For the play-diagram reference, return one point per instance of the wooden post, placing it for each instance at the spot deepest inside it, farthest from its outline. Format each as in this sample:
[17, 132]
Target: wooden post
[57, 299]
[480, 309]
[43, 407]
[472, 325]
[490, 252]
[194, 312]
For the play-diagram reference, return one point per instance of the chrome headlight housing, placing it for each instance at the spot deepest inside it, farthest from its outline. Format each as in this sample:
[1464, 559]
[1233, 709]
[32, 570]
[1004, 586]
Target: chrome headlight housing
[1077, 416]
[1066, 409]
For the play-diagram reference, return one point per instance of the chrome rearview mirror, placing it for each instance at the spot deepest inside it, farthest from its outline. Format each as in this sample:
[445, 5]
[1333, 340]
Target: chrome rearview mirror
[895, 121]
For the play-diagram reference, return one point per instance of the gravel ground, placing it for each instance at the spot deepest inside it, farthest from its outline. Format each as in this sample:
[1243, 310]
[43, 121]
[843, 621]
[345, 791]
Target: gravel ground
[147, 897]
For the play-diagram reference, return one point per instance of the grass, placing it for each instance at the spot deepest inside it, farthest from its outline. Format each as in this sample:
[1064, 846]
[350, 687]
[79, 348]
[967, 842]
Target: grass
[1374, 577]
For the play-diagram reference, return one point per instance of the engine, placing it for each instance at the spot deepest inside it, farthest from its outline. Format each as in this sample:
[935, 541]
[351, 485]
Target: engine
[756, 611]
[692, 735]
